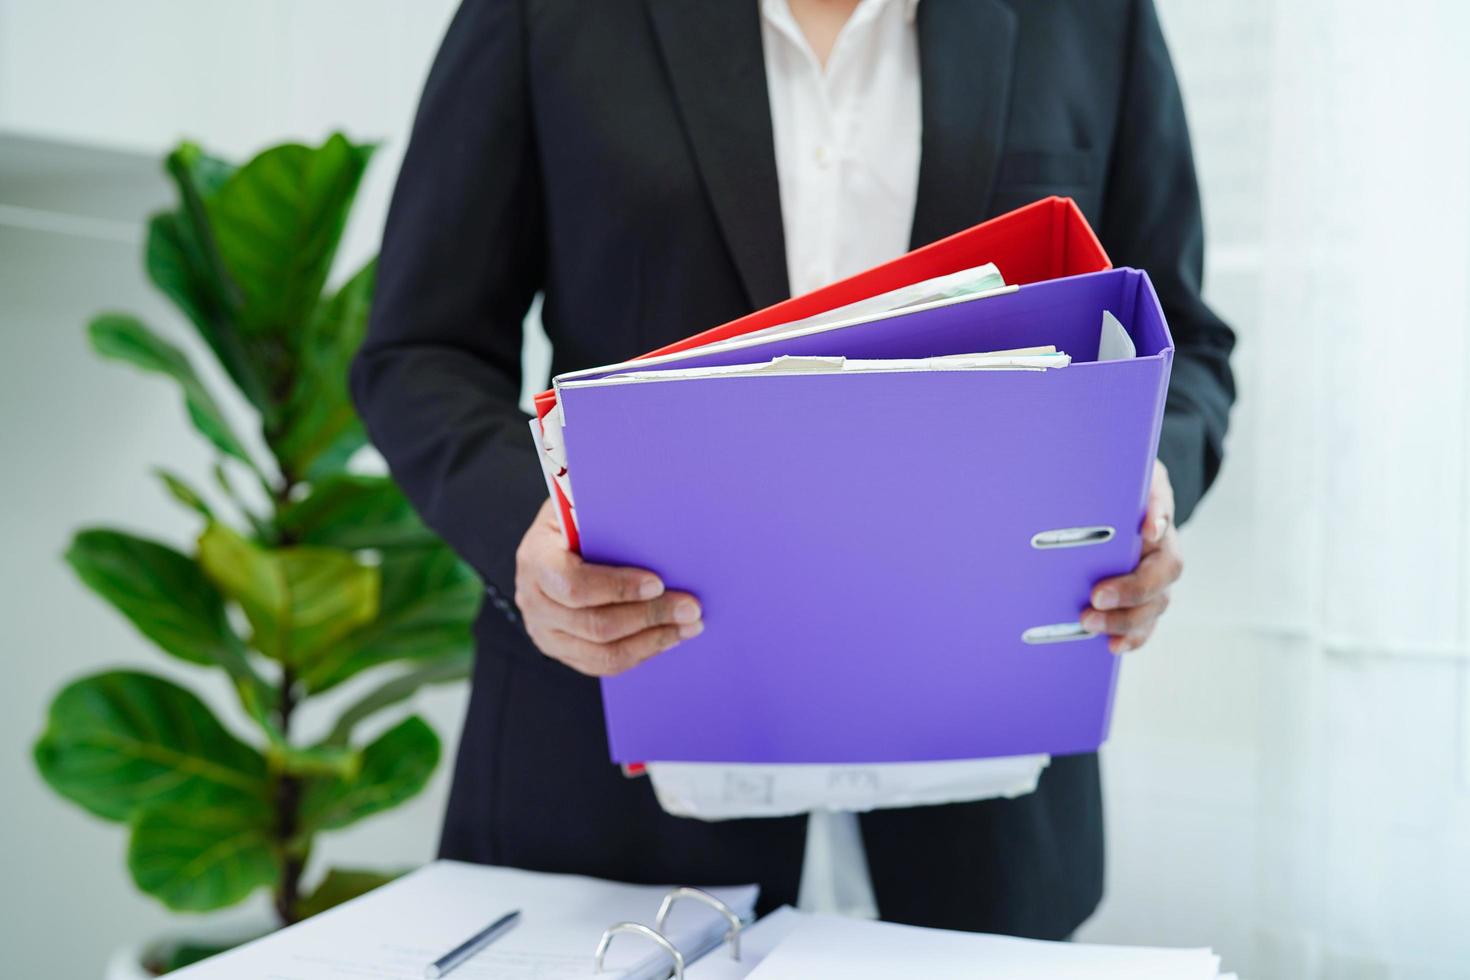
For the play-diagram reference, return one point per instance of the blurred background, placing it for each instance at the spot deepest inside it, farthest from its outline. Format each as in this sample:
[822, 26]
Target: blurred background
[1289, 776]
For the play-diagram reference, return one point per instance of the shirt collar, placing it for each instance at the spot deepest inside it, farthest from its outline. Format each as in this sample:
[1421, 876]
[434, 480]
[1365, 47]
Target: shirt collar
[910, 8]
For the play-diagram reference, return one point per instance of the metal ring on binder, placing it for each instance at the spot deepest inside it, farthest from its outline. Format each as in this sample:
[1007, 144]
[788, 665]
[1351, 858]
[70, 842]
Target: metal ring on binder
[1073, 537]
[1056, 633]
[700, 895]
[641, 930]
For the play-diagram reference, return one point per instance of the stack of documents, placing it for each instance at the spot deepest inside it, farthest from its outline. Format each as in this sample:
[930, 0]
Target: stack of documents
[892, 498]
[856, 949]
[395, 932]
[967, 283]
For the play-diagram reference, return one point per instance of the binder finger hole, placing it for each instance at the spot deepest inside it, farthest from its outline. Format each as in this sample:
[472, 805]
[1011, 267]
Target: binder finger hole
[1055, 633]
[1072, 537]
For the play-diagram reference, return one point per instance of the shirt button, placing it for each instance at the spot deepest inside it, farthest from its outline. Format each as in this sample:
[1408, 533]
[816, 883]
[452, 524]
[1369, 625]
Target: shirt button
[823, 156]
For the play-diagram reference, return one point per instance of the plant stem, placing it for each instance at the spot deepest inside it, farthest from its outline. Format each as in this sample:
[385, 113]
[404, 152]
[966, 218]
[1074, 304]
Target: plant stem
[282, 498]
[288, 804]
[288, 787]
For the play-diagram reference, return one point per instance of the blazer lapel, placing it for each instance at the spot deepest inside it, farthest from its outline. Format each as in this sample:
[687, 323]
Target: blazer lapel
[966, 50]
[712, 51]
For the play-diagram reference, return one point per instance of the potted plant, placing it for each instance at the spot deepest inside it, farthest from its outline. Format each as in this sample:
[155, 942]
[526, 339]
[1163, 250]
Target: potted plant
[303, 576]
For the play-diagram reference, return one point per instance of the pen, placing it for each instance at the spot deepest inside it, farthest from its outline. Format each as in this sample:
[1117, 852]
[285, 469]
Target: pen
[472, 945]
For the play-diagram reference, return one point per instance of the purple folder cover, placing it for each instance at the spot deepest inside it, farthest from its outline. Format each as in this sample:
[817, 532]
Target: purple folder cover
[862, 543]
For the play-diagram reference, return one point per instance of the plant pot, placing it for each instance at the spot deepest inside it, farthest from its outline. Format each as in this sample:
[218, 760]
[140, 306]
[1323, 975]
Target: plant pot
[128, 962]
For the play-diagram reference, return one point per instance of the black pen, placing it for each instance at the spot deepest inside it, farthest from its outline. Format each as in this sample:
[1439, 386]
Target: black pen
[472, 945]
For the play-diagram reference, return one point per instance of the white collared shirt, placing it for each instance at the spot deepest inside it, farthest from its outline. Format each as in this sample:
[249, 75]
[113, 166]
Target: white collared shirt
[847, 154]
[847, 139]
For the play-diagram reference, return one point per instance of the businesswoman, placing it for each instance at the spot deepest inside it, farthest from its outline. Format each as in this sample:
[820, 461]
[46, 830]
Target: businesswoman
[655, 167]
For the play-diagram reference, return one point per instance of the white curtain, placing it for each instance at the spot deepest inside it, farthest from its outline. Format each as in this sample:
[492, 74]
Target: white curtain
[1289, 777]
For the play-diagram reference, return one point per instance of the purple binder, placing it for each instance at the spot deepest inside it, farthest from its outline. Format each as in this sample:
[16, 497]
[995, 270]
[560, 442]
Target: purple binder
[865, 544]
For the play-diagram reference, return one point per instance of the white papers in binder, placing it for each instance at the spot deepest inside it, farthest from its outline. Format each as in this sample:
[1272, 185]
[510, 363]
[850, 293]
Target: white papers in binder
[720, 792]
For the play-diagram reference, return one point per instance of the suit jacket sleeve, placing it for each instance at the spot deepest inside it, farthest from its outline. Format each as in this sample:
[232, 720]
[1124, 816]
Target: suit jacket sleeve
[438, 377]
[1151, 220]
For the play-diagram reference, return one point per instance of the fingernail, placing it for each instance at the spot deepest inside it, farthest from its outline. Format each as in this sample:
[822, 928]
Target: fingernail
[686, 611]
[1118, 645]
[651, 588]
[1093, 622]
[691, 630]
[1160, 525]
[1105, 599]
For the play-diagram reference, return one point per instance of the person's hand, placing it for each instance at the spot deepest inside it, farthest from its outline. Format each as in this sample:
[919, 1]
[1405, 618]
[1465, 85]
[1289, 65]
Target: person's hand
[597, 619]
[1128, 607]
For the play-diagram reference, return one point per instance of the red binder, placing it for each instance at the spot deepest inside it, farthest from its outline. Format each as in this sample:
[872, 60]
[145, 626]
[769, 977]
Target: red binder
[1047, 239]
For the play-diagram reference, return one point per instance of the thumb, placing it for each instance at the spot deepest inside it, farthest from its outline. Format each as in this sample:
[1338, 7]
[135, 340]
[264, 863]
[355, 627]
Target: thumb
[1160, 512]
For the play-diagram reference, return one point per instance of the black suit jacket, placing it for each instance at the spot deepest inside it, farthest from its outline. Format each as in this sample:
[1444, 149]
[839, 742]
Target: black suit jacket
[616, 158]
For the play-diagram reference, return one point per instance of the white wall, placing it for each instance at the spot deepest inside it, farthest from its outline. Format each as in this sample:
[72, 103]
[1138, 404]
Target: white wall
[78, 435]
[234, 76]
[1289, 776]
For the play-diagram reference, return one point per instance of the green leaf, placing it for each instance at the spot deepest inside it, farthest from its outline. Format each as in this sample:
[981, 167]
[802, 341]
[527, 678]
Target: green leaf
[401, 687]
[184, 263]
[353, 513]
[162, 592]
[167, 597]
[198, 858]
[318, 760]
[319, 428]
[395, 767]
[277, 221]
[121, 741]
[175, 265]
[341, 885]
[180, 490]
[259, 526]
[428, 605]
[125, 338]
[207, 174]
[300, 601]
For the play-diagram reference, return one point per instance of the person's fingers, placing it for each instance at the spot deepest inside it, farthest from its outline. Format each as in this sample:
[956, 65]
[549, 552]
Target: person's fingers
[567, 579]
[605, 624]
[564, 577]
[1160, 512]
[607, 659]
[597, 619]
[1156, 571]
[1131, 641]
[1121, 622]
[549, 516]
